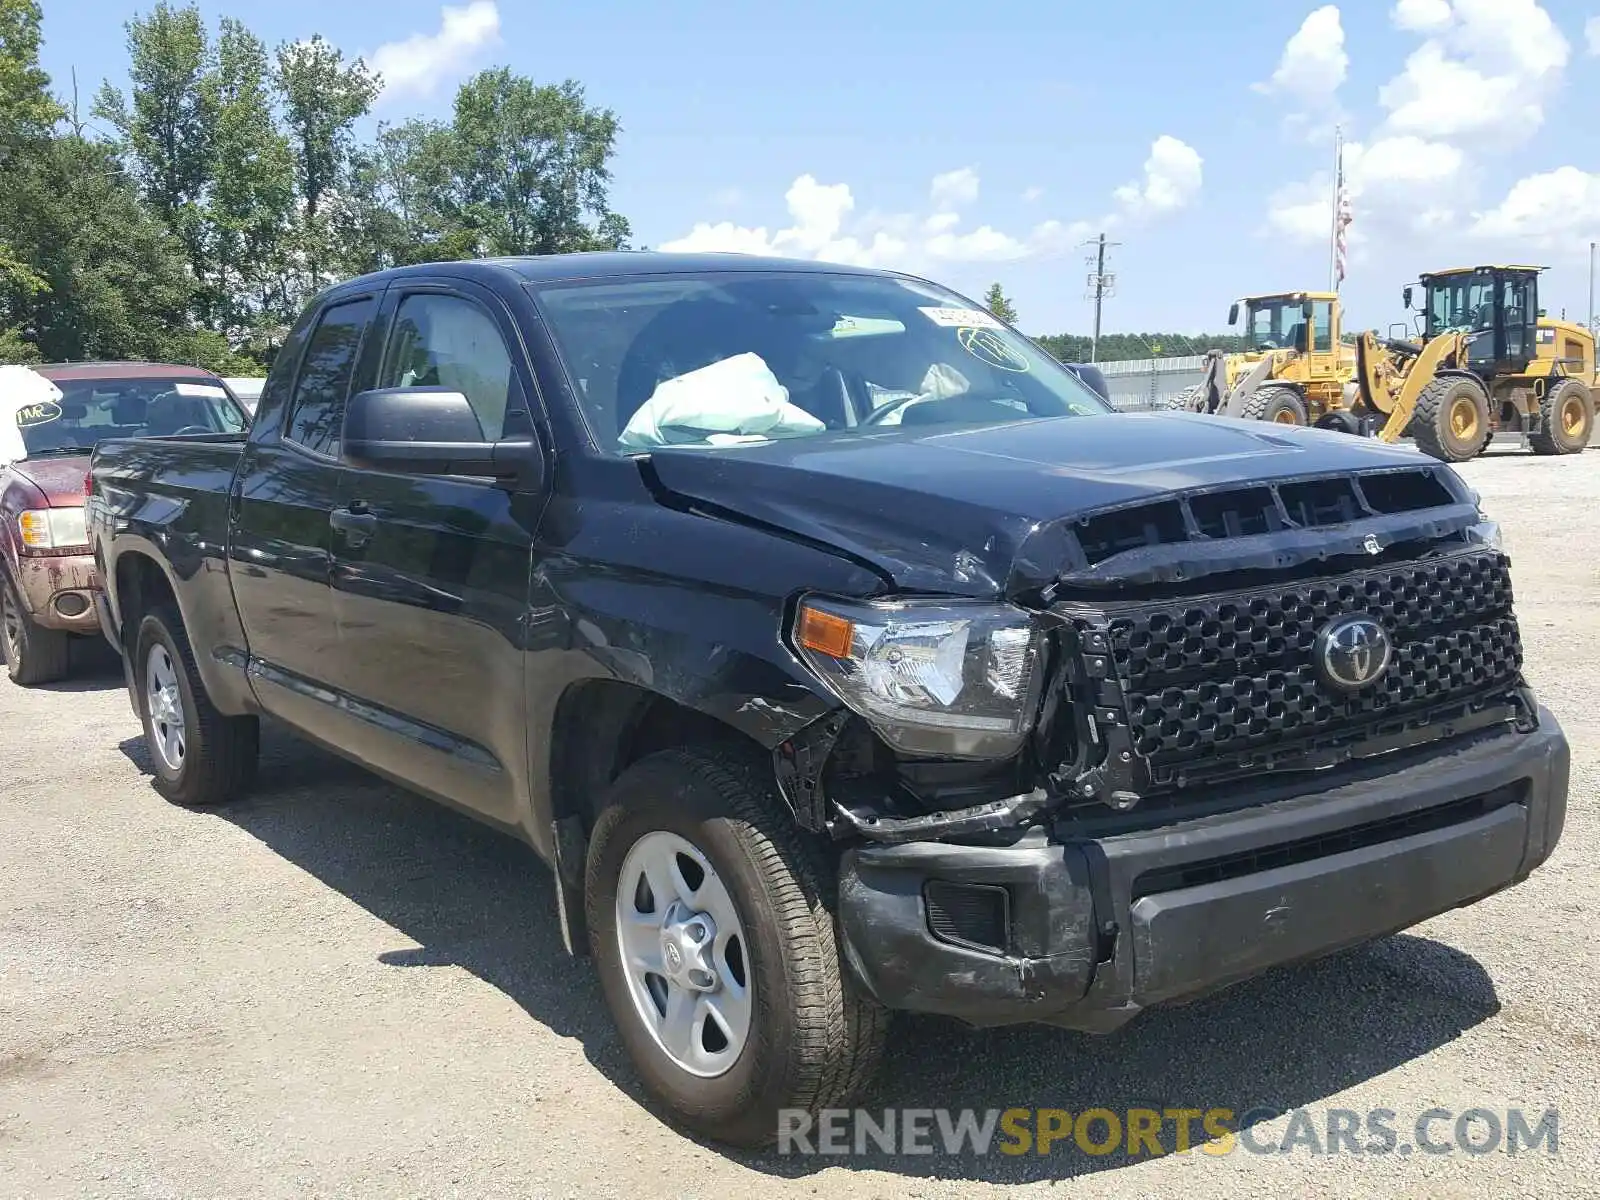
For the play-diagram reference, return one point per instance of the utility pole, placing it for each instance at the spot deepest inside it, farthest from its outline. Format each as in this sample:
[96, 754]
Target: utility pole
[1592, 326]
[1101, 286]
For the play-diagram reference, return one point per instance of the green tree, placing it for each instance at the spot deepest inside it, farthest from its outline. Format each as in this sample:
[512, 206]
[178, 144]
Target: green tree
[27, 110]
[168, 123]
[115, 283]
[529, 169]
[995, 301]
[251, 209]
[27, 113]
[323, 98]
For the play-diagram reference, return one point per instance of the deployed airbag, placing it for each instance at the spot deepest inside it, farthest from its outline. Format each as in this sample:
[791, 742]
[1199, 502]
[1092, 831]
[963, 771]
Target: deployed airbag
[735, 400]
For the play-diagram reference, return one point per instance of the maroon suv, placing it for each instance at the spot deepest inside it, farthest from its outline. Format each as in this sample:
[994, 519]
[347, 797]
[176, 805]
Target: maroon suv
[47, 577]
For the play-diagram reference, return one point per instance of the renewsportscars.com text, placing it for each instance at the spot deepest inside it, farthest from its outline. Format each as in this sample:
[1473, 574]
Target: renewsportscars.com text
[1152, 1132]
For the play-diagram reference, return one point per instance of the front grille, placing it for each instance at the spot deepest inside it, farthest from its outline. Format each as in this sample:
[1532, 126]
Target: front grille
[1225, 685]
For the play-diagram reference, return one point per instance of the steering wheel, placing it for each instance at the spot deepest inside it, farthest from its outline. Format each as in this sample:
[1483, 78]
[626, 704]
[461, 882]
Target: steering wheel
[880, 414]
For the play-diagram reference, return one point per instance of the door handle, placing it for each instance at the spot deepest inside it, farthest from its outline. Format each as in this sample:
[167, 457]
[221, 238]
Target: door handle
[356, 525]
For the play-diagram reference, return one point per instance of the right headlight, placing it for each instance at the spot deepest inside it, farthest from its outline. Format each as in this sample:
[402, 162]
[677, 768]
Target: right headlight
[945, 678]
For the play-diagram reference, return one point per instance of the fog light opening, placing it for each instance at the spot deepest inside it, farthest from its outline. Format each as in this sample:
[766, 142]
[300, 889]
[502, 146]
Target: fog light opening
[72, 604]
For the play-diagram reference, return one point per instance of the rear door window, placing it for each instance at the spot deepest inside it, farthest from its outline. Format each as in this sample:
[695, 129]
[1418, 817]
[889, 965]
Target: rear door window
[323, 384]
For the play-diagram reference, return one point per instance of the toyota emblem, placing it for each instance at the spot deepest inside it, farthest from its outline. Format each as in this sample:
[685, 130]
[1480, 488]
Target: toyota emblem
[1353, 653]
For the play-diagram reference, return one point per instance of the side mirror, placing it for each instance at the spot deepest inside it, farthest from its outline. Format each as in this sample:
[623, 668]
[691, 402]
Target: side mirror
[1233, 314]
[1405, 297]
[433, 431]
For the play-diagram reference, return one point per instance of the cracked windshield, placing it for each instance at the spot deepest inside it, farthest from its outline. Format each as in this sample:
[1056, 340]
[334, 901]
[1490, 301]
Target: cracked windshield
[731, 359]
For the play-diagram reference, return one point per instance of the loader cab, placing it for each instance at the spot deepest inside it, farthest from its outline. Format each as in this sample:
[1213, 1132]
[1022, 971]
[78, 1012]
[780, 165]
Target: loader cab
[1303, 321]
[1496, 307]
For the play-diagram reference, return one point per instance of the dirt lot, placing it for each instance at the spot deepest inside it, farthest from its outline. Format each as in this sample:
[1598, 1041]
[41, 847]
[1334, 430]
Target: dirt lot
[338, 989]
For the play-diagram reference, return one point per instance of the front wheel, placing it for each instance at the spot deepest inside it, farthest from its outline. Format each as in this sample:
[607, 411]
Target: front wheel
[712, 929]
[1451, 422]
[34, 655]
[1276, 404]
[200, 756]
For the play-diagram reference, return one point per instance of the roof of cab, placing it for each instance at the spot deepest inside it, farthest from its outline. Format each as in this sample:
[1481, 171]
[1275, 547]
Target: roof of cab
[608, 264]
[64, 372]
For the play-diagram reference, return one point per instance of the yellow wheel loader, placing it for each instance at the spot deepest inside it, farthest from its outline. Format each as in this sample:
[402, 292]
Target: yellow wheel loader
[1488, 362]
[1297, 370]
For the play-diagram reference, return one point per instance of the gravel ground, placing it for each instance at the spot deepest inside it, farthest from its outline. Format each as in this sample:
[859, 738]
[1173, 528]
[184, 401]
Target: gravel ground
[339, 989]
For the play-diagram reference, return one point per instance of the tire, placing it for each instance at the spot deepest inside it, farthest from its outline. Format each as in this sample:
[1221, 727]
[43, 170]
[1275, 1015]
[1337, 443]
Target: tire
[1275, 403]
[33, 654]
[1452, 419]
[1187, 400]
[813, 1040]
[1566, 419]
[215, 758]
[1341, 421]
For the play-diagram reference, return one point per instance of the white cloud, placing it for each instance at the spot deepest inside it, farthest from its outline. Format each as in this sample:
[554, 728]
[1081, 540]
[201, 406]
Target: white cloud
[1560, 206]
[1302, 212]
[1487, 69]
[1422, 16]
[1384, 180]
[954, 189]
[1314, 62]
[984, 244]
[1172, 178]
[420, 63]
[1400, 164]
[823, 222]
[1033, 195]
[1591, 33]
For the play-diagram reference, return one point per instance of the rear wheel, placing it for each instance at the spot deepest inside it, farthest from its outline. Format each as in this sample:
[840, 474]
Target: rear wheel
[711, 924]
[1452, 418]
[200, 756]
[34, 654]
[1566, 419]
[1275, 403]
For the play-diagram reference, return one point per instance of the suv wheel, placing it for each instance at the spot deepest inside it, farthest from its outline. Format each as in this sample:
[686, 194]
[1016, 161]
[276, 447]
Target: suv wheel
[33, 654]
[200, 756]
[711, 925]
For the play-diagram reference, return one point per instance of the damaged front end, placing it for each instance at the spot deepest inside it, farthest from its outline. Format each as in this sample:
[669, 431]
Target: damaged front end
[1172, 651]
[1198, 762]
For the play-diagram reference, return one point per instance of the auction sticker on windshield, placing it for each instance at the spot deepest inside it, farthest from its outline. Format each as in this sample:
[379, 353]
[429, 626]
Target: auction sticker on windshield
[208, 391]
[962, 318]
[38, 414]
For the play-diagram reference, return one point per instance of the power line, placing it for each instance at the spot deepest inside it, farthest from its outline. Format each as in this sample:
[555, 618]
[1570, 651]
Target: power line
[1102, 285]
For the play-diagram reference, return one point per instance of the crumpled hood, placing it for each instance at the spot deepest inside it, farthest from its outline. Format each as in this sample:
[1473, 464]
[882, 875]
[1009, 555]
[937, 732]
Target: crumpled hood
[985, 511]
[59, 477]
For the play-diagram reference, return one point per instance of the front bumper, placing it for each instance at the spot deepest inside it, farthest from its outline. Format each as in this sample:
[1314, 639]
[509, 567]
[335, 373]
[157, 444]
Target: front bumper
[60, 590]
[1098, 929]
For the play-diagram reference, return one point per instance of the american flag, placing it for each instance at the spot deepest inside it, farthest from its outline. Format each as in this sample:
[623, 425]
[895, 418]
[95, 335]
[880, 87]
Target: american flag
[1342, 216]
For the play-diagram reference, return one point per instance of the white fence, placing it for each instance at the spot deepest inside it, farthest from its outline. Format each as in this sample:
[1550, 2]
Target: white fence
[1145, 383]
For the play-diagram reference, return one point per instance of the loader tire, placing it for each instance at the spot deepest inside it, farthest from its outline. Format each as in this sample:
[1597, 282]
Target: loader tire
[1275, 403]
[1187, 400]
[1452, 419]
[1566, 419]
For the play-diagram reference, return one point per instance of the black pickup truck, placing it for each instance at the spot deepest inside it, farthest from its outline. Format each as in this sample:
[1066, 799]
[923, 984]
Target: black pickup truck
[840, 651]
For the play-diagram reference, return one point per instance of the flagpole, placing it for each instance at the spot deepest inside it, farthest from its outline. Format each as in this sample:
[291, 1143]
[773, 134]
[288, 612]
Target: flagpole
[1333, 209]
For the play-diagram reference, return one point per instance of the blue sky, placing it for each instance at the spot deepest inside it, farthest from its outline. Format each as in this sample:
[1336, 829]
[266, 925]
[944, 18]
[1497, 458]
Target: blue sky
[979, 143]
